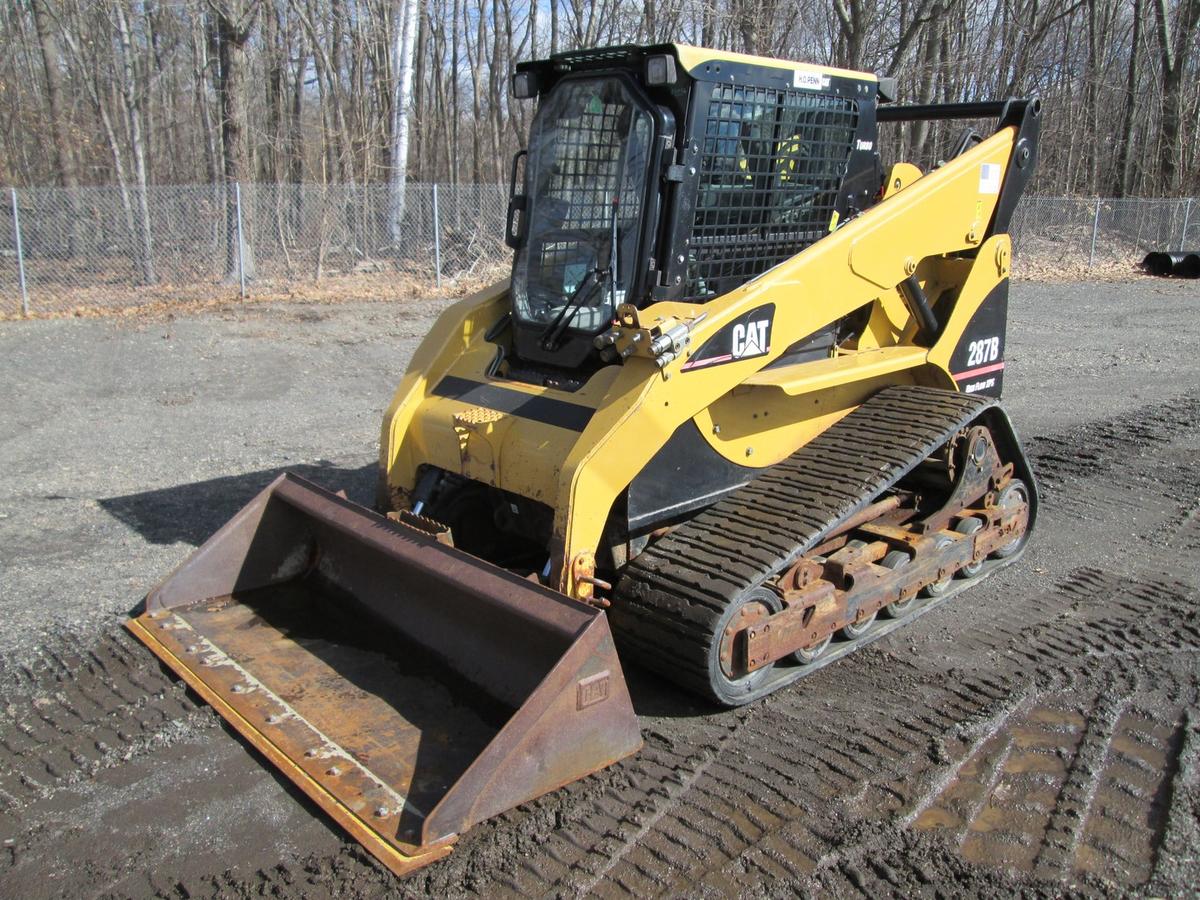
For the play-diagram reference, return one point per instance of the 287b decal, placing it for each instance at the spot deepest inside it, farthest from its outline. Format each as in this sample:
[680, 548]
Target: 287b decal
[977, 363]
[983, 351]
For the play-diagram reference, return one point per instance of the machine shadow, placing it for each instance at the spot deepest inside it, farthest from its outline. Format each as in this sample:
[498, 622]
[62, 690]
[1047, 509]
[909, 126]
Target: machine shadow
[656, 697]
[190, 513]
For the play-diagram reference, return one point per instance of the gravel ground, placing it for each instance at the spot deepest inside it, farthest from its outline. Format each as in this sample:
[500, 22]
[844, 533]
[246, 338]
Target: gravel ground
[1038, 733]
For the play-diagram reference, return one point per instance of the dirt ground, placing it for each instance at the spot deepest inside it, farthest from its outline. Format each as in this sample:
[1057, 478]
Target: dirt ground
[1038, 734]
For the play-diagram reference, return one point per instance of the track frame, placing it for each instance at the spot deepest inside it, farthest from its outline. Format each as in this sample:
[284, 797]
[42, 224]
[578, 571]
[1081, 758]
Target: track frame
[673, 603]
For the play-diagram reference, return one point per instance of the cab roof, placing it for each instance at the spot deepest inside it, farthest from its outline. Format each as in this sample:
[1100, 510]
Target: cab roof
[696, 61]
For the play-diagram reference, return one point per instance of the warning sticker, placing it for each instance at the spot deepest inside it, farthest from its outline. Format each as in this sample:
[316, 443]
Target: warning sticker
[989, 178]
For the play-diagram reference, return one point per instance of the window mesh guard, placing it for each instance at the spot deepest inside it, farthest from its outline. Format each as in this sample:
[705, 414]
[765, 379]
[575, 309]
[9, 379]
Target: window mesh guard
[772, 164]
[586, 173]
[590, 147]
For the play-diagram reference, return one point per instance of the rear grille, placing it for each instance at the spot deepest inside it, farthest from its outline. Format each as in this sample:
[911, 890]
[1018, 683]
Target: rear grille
[772, 163]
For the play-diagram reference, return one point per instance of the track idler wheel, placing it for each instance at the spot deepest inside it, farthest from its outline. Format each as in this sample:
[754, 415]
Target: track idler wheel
[813, 653]
[937, 588]
[728, 679]
[1012, 497]
[855, 630]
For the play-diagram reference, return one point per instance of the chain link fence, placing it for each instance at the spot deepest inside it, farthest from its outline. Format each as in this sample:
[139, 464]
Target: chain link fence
[1087, 233]
[104, 247]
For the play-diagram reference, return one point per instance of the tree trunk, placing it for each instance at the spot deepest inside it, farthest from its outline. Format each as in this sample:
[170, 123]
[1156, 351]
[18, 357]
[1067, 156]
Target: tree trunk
[404, 21]
[1123, 176]
[850, 15]
[235, 21]
[929, 67]
[420, 94]
[64, 161]
[143, 251]
[201, 70]
[1175, 50]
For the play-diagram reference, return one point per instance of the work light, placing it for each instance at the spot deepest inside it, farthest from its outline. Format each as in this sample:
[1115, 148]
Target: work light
[660, 69]
[524, 85]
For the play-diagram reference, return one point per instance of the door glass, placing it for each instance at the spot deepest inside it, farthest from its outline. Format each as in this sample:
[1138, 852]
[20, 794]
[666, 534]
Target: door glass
[586, 177]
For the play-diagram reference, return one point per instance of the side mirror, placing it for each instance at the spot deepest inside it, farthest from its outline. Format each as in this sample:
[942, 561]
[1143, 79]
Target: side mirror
[516, 228]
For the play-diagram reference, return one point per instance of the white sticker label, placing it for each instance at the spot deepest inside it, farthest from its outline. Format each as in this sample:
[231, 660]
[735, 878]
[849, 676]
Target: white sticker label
[989, 178]
[864, 145]
[810, 81]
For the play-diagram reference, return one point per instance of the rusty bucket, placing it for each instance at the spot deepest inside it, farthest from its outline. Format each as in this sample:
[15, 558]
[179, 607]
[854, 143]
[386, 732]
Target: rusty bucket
[408, 688]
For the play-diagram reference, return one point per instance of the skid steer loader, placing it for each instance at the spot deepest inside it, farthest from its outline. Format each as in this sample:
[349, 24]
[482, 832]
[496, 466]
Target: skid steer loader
[742, 392]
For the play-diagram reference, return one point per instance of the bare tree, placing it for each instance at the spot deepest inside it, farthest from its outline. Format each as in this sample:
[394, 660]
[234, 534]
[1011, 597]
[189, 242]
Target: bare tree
[64, 159]
[1175, 48]
[132, 98]
[404, 15]
[333, 91]
[234, 20]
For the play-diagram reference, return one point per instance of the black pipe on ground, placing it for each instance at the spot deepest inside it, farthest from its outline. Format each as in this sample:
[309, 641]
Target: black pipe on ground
[1176, 264]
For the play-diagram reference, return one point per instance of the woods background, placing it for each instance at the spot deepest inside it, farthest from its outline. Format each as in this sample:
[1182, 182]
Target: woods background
[143, 92]
[171, 150]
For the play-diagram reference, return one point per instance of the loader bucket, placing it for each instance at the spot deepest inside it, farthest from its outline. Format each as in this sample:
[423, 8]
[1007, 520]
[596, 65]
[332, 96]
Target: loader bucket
[409, 689]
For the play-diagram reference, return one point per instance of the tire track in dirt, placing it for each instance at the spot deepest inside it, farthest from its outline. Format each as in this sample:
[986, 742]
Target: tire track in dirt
[811, 788]
[1106, 447]
[1176, 862]
[836, 767]
[824, 767]
[1062, 790]
[78, 709]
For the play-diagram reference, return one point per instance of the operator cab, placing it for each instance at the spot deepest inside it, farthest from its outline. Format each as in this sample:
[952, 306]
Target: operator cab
[672, 173]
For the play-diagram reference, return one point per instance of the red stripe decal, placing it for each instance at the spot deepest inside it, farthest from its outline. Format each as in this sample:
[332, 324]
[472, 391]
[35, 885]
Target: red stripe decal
[707, 362]
[982, 370]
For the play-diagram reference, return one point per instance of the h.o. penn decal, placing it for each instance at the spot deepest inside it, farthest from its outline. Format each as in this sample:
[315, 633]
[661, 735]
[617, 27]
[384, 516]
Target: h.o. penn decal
[747, 336]
[810, 81]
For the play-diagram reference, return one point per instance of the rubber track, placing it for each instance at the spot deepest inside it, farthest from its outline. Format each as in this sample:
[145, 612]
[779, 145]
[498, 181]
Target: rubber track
[670, 598]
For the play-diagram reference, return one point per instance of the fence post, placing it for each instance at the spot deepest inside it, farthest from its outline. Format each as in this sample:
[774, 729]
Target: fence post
[1187, 215]
[16, 216]
[437, 239]
[237, 196]
[1095, 229]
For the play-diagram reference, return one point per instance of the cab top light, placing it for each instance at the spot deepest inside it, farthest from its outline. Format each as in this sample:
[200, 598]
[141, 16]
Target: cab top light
[524, 85]
[660, 70]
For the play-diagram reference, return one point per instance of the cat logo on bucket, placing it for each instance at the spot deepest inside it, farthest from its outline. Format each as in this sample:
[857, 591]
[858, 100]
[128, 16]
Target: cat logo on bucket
[750, 339]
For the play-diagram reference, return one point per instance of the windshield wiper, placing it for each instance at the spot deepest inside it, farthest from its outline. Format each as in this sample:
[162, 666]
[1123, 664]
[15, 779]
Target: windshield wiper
[554, 331]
